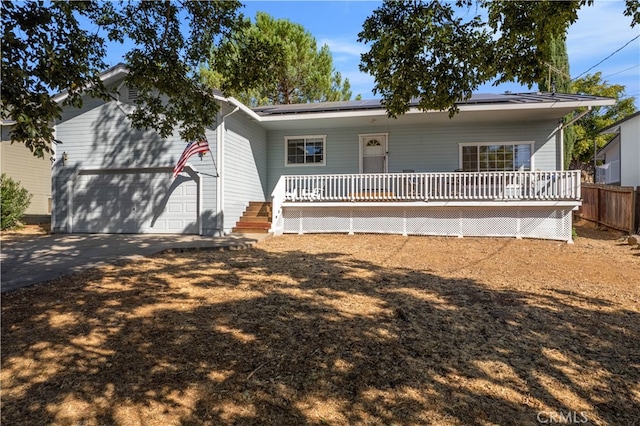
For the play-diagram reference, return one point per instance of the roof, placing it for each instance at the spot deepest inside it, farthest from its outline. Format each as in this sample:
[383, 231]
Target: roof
[613, 128]
[487, 100]
[548, 105]
[113, 73]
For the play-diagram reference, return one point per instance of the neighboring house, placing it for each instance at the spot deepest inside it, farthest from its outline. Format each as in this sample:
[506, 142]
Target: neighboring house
[33, 173]
[493, 169]
[621, 155]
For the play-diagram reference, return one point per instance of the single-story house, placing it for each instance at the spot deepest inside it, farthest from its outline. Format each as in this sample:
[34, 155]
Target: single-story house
[494, 169]
[33, 174]
[621, 155]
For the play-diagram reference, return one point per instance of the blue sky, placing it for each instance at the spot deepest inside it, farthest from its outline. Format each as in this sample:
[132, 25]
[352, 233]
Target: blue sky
[600, 30]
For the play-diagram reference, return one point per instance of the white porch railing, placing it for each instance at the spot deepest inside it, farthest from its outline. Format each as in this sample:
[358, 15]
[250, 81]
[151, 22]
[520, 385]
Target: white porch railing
[407, 187]
[608, 173]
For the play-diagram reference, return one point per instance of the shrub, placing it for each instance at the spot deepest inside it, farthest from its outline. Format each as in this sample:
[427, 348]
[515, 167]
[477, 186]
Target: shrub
[15, 200]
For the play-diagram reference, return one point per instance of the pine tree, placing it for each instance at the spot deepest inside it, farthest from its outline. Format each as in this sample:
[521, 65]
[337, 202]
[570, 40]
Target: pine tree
[558, 79]
[274, 61]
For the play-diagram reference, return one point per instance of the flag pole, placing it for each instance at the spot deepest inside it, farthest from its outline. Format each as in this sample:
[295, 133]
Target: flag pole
[215, 167]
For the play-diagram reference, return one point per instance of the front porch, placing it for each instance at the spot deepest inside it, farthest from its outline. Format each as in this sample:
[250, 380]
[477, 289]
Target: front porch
[517, 204]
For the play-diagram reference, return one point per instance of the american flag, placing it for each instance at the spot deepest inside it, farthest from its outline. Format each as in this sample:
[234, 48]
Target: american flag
[199, 147]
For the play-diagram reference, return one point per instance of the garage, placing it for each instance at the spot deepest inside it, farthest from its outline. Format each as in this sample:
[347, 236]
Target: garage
[134, 201]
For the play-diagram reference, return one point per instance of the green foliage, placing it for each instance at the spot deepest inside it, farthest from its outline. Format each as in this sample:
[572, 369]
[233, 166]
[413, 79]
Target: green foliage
[420, 49]
[556, 63]
[15, 201]
[587, 128]
[570, 137]
[558, 79]
[46, 49]
[274, 61]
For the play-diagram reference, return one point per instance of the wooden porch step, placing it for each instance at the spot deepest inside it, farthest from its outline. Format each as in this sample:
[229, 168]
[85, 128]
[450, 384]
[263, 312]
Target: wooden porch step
[261, 209]
[243, 224]
[261, 229]
[255, 219]
[252, 228]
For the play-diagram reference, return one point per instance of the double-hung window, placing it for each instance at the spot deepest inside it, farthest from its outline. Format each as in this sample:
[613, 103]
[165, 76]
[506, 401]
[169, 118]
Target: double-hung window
[305, 150]
[496, 157]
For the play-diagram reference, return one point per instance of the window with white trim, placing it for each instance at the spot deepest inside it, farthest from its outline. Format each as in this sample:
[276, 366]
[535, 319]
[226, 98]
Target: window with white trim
[496, 157]
[305, 150]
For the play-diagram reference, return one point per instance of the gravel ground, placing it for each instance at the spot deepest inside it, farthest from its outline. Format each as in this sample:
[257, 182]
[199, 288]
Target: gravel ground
[334, 329]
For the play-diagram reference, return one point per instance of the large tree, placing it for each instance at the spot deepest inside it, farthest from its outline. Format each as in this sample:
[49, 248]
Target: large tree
[425, 50]
[50, 47]
[275, 61]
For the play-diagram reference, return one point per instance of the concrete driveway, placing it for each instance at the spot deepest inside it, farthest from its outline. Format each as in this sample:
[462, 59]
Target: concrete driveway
[30, 260]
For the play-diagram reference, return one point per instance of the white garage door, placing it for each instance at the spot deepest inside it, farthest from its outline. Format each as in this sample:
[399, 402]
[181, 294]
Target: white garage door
[136, 202]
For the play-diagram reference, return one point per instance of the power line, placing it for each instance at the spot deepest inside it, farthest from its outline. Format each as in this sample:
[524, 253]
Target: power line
[626, 44]
[620, 72]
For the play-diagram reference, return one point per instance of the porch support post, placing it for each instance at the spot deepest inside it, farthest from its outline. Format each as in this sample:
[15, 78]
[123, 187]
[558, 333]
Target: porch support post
[561, 147]
[351, 222]
[568, 219]
[404, 223]
[300, 230]
[70, 195]
[200, 183]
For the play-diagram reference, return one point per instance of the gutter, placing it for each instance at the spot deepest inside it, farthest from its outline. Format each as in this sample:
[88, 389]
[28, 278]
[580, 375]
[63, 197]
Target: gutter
[563, 126]
[220, 132]
[239, 105]
[578, 117]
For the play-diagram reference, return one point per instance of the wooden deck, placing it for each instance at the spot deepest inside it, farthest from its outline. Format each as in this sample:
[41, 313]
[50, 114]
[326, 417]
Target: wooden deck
[509, 204]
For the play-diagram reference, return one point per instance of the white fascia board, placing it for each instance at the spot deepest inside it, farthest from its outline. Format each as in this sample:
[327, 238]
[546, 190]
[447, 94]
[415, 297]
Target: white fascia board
[538, 105]
[233, 101]
[121, 69]
[323, 115]
[462, 108]
[610, 130]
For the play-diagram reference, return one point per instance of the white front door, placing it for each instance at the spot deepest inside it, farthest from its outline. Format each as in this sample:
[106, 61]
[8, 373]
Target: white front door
[373, 153]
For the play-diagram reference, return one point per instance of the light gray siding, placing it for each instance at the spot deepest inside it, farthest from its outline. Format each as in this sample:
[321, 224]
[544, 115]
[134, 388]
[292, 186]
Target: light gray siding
[99, 137]
[630, 152]
[423, 148]
[244, 166]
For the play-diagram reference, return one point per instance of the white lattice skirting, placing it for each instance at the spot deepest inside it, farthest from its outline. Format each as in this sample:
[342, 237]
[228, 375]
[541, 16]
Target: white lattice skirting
[520, 222]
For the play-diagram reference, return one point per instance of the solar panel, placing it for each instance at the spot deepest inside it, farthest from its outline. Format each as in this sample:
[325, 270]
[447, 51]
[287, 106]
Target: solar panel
[478, 99]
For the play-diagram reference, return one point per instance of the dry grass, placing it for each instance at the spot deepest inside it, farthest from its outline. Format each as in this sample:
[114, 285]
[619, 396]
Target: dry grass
[26, 231]
[334, 330]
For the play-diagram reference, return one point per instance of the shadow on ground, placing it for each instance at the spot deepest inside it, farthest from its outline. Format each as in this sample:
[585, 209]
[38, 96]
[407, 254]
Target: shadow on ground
[292, 338]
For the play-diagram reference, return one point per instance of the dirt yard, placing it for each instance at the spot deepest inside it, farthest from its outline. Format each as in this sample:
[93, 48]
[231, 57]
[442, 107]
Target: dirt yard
[337, 330]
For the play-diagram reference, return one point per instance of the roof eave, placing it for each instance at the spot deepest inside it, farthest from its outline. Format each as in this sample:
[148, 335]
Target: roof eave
[615, 127]
[540, 105]
[114, 72]
[242, 107]
[463, 108]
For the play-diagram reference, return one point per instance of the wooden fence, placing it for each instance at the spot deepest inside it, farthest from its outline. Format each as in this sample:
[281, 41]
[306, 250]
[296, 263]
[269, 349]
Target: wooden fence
[616, 207]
